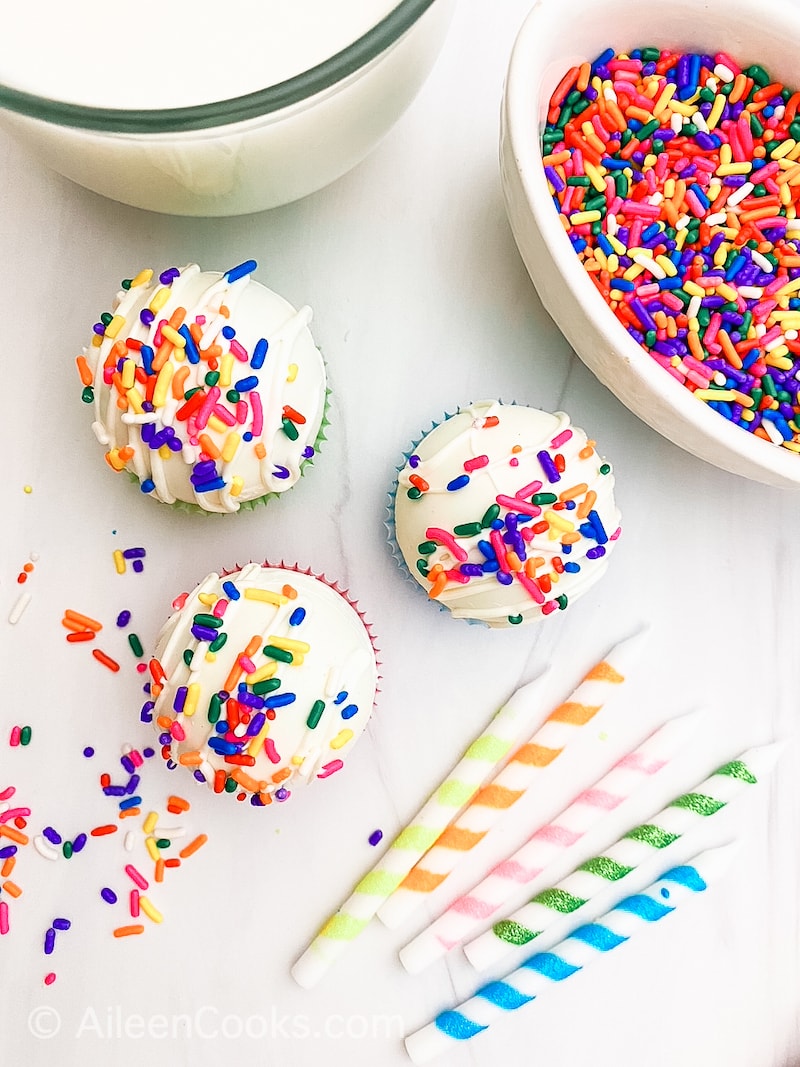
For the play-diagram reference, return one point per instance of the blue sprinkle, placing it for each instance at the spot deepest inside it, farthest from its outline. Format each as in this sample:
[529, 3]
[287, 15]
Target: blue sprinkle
[259, 354]
[244, 385]
[148, 485]
[297, 616]
[192, 355]
[458, 483]
[230, 590]
[349, 711]
[131, 802]
[243, 269]
[280, 700]
[341, 697]
[228, 333]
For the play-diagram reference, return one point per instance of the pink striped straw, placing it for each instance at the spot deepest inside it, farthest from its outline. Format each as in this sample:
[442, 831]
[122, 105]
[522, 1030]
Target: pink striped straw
[461, 919]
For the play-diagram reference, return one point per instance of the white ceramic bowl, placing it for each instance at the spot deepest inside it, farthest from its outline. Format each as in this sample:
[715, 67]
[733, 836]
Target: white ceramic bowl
[551, 40]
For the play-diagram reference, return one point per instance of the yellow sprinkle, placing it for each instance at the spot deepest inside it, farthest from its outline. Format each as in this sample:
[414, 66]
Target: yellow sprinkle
[778, 359]
[748, 416]
[216, 423]
[341, 738]
[668, 265]
[192, 697]
[633, 272]
[164, 452]
[266, 595]
[693, 289]
[114, 461]
[288, 644]
[255, 745]
[150, 910]
[152, 848]
[135, 399]
[680, 239]
[291, 372]
[617, 245]
[669, 188]
[595, 177]
[577, 218]
[263, 673]
[230, 446]
[682, 108]
[725, 152]
[210, 657]
[160, 297]
[783, 149]
[558, 522]
[715, 394]
[119, 561]
[715, 113]
[237, 484]
[225, 370]
[668, 92]
[207, 598]
[726, 169]
[162, 385]
[791, 287]
[793, 446]
[171, 334]
[727, 291]
[150, 822]
[785, 194]
[142, 278]
[128, 375]
[114, 326]
[297, 761]
[96, 340]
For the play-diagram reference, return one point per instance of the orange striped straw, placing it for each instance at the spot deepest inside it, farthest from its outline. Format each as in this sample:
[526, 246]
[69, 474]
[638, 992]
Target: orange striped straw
[487, 807]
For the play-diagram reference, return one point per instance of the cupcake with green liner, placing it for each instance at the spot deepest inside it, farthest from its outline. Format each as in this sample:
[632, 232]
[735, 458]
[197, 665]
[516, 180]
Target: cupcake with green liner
[207, 388]
[262, 679]
[504, 514]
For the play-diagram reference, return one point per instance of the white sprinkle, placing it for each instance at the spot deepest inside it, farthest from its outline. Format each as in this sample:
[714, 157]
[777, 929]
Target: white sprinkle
[762, 262]
[43, 848]
[739, 195]
[17, 611]
[169, 831]
[130, 841]
[751, 292]
[717, 219]
[694, 306]
[773, 432]
[649, 264]
[723, 72]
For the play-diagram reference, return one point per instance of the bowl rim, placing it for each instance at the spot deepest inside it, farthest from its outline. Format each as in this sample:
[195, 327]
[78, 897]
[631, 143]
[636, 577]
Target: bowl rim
[284, 94]
[521, 103]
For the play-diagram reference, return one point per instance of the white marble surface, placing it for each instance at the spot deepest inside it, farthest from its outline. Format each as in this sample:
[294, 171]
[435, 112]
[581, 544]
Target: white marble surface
[421, 303]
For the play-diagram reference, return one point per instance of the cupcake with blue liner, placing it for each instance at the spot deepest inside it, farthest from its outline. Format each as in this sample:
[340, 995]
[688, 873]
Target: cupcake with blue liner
[504, 514]
[262, 679]
[207, 388]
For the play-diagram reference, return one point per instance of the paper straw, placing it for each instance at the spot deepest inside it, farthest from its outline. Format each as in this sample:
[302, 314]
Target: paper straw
[489, 804]
[508, 727]
[594, 876]
[590, 942]
[548, 843]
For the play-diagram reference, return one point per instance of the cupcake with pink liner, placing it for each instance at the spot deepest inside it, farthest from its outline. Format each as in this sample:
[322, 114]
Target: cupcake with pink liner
[263, 678]
[206, 387]
[504, 514]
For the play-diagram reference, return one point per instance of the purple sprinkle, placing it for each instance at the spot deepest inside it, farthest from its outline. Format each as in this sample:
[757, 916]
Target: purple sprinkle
[79, 842]
[504, 578]
[88, 752]
[148, 752]
[282, 794]
[133, 784]
[414, 461]
[280, 472]
[548, 466]
[375, 837]
[146, 316]
[61, 924]
[108, 895]
[169, 276]
[198, 775]
[139, 553]
[9, 850]
[52, 835]
[99, 329]
[117, 790]
[128, 764]
[596, 552]
[49, 940]
[307, 452]
[124, 617]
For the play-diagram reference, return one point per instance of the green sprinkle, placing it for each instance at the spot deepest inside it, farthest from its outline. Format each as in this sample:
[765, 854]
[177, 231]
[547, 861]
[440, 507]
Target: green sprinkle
[514, 620]
[290, 429]
[87, 396]
[208, 620]
[218, 642]
[211, 378]
[544, 498]
[269, 685]
[315, 714]
[231, 785]
[758, 74]
[426, 548]
[126, 283]
[467, 529]
[233, 396]
[25, 735]
[66, 848]
[136, 644]
[489, 516]
[605, 468]
[281, 654]
[163, 842]
[413, 493]
[106, 318]
[214, 708]
[562, 602]
[422, 567]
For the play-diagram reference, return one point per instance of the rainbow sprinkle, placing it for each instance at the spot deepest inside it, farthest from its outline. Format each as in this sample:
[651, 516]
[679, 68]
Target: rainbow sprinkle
[676, 177]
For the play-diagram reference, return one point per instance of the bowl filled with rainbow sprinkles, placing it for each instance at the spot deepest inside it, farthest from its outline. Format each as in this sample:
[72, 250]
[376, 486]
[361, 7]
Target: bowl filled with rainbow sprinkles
[650, 161]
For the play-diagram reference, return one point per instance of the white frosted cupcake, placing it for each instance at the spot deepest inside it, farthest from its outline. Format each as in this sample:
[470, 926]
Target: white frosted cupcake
[262, 678]
[504, 514]
[207, 388]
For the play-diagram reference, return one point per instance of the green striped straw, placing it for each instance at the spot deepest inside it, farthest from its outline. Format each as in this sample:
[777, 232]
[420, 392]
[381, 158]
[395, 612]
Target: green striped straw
[509, 726]
[624, 856]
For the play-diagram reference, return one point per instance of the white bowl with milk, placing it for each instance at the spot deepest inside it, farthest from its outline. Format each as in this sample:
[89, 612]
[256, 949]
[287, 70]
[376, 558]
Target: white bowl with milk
[192, 108]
